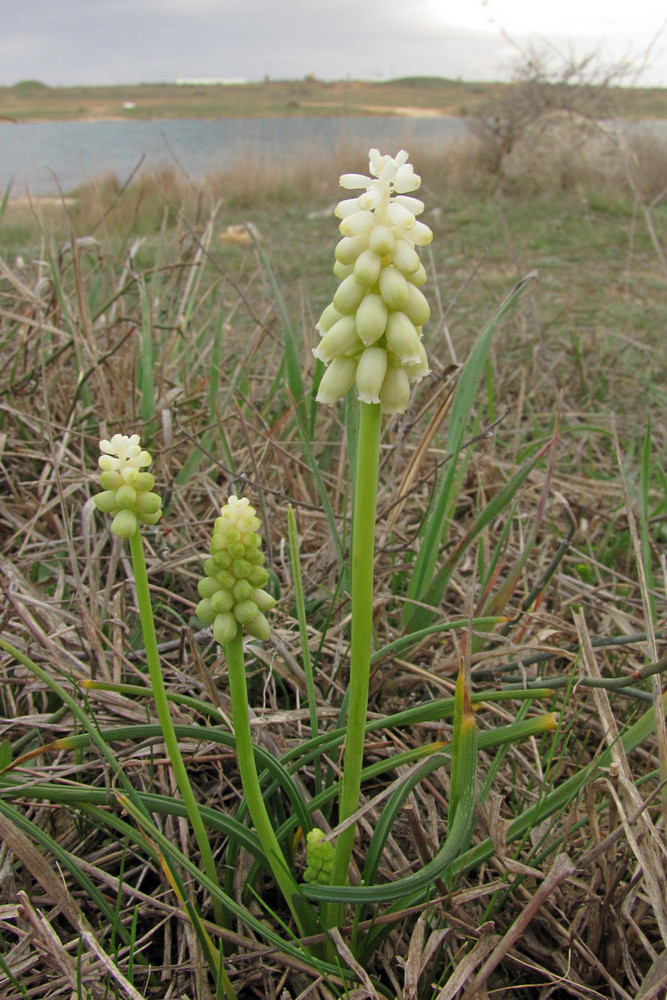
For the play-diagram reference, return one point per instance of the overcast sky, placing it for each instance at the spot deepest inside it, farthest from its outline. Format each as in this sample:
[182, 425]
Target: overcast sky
[67, 42]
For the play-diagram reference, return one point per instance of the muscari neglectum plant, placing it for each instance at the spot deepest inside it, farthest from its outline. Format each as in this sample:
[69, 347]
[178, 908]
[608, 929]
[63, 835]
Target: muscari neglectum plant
[370, 342]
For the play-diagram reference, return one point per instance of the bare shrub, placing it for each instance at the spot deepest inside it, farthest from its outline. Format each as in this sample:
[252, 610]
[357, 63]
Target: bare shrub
[647, 165]
[547, 82]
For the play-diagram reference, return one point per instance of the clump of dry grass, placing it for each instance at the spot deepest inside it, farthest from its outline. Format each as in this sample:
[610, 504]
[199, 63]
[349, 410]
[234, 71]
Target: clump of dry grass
[75, 330]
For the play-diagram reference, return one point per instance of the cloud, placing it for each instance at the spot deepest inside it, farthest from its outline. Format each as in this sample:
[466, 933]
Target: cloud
[117, 41]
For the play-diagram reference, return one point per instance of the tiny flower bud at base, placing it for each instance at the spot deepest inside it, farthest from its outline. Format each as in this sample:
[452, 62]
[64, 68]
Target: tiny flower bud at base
[341, 338]
[225, 628]
[124, 524]
[395, 392]
[337, 380]
[259, 627]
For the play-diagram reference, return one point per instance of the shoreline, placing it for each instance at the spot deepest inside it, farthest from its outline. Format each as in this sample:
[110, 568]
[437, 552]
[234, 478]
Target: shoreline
[374, 111]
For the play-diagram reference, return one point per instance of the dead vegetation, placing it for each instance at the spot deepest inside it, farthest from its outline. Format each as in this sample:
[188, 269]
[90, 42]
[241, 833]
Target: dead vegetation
[183, 342]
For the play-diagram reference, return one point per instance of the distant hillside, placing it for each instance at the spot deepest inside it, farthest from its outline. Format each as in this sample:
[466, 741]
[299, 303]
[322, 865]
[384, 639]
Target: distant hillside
[31, 100]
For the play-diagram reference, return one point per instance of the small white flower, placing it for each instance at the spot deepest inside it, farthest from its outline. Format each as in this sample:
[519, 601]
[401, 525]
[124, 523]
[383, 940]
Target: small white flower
[123, 452]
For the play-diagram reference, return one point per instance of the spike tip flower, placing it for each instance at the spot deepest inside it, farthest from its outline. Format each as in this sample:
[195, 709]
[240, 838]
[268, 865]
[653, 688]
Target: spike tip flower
[371, 334]
[127, 490]
[231, 592]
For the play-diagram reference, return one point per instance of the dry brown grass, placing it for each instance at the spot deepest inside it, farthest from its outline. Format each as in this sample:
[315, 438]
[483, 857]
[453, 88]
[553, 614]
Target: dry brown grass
[70, 347]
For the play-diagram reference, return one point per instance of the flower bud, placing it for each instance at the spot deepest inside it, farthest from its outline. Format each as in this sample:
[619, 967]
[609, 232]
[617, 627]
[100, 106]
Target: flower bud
[349, 248]
[402, 338]
[245, 612]
[341, 338]
[393, 288]
[126, 497]
[381, 240]
[342, 270]
[124, 523]
[419, 277]
[225, 628]
[357, 223]
[416, 308]
[328, 318]
[208, 587]
[421, 235]
[242, 590]
[371, 319]
[405, 257]
[367, 268]
[395, 391]
[259, 627]
[259, 576]
[205, 612]
[221, 601]
[371, 371]
[106, 501]
[263, 600]
[348, 295]
[337, 380]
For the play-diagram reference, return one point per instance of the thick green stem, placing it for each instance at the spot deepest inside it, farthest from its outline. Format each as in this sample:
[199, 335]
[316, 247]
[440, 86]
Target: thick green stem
[164, 716]
[363, 547]
[253, 793]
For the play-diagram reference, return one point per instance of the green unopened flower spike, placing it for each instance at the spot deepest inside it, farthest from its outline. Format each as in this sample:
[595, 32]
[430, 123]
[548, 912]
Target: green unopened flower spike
[231, 592]
[319, 854]
[127, 490]
[371, 332]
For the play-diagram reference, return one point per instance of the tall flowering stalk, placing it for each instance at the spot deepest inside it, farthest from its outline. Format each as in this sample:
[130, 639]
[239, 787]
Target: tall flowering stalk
[371, 339]
[127, 493]
[232, 599]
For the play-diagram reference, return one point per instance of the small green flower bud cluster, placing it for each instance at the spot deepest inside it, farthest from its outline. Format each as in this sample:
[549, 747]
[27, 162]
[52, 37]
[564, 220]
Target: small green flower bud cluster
[371, 334]
[231, 592]
[319, 854]
[127, 490]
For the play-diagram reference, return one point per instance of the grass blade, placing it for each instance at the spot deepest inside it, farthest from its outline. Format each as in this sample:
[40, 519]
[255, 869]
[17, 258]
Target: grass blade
[464, 397]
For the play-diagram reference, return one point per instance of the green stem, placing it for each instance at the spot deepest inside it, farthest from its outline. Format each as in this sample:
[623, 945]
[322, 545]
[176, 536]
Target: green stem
[363, 547]
[164, 716]
[256, 806]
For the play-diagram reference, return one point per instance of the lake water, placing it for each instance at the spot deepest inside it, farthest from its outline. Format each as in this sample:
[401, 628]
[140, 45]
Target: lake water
[40, 156]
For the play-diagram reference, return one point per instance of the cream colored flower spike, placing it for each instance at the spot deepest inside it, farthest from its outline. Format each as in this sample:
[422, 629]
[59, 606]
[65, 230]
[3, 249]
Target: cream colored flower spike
[127, 489]
[231, 592]
[371, 334]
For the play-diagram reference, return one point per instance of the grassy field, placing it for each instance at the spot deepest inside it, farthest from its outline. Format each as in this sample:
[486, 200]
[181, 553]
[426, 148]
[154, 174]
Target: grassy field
[188, 316]
[32, 101]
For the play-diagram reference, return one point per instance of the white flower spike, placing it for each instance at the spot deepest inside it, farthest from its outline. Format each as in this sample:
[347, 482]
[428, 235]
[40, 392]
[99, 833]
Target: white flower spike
[127, 490]
[371, 332]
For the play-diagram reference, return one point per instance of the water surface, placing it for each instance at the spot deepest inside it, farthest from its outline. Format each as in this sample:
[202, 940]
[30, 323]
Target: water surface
[43, 156]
